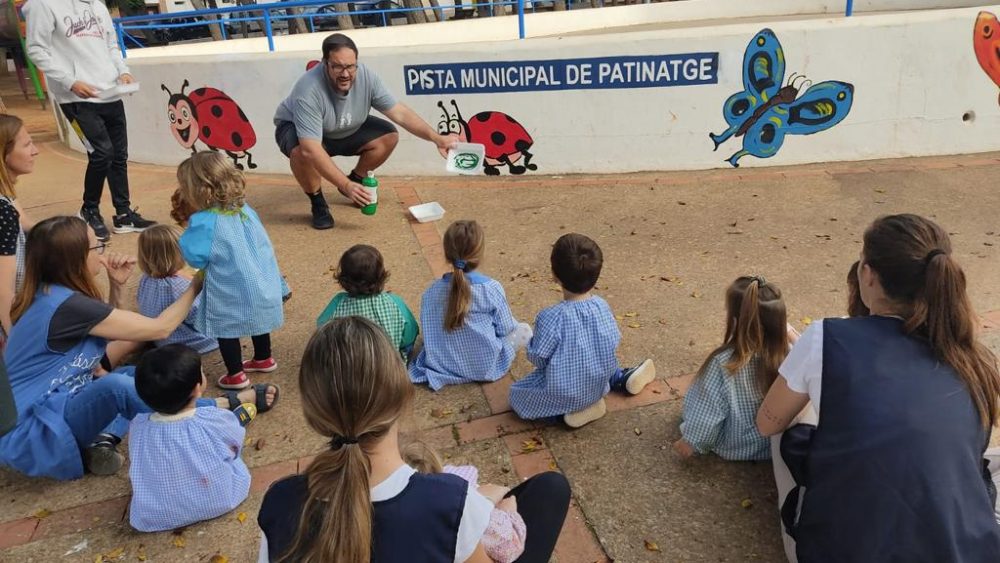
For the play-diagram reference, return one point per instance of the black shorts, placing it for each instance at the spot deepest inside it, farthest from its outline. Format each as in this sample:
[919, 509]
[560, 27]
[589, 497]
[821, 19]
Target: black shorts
[373, 128]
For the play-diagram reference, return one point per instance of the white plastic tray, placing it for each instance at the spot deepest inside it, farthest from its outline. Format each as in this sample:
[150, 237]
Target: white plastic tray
[426, 212]
[118, 90]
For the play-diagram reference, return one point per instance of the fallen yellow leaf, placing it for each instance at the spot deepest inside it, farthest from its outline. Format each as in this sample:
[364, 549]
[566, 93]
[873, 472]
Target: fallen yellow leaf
[140, 553]
[218, 558]
[807, 321]
[619, 317]
[746, 503]
[529, 445]
[651, 546]
[43, 513]
[115, 553]
[552, 465]
[441, 413]
[695, 294]
[634, 325]
[242, 517]
[631, 314]
[179, 541]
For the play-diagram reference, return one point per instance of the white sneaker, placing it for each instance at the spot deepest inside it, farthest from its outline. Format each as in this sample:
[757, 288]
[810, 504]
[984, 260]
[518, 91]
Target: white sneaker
[586, 416]
[638, 377]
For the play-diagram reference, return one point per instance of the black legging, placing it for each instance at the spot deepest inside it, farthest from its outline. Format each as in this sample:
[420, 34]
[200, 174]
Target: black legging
[232, 353]
[542, 501]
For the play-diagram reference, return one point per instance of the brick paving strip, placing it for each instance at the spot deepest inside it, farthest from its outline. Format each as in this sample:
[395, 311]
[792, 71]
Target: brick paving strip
[529, 455]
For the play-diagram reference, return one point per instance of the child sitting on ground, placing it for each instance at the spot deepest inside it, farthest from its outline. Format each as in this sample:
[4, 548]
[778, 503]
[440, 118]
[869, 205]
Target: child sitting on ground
[163, 282]
[573, 348]
[469, 331]
[244, 292]
[185, 457]
[504, 537]
[720, 407]
[362, 274]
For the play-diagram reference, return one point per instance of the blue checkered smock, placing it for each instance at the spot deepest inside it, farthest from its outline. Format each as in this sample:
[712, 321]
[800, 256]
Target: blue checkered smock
[573, 350]
[156, 294]
[720, 412]
[185, 469]
[243, 288]
[475, 352]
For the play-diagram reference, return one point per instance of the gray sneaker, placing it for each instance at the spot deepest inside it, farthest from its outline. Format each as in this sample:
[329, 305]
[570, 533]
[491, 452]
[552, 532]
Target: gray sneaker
[102, 457]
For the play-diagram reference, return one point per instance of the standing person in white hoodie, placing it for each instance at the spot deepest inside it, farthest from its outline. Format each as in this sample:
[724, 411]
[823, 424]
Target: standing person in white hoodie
[74, 43]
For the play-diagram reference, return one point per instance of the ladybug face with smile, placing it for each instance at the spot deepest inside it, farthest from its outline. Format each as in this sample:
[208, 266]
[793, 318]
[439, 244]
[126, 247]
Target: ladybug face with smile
[183, 121]
[986, 43]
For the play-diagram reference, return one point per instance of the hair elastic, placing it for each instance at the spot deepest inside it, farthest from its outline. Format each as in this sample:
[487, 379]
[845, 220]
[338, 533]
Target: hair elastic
[339, 441]
[760, 280]
[930, 255]
[460, 264]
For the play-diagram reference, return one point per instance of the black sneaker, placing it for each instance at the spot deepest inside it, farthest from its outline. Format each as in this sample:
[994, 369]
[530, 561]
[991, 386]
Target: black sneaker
[131, 222]
[322, 219]
[102, 457]
[96, 222]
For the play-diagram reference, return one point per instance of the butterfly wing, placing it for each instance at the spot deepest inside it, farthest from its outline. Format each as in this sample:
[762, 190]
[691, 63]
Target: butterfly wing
[821, 107]
[986, 43]
[763, 73]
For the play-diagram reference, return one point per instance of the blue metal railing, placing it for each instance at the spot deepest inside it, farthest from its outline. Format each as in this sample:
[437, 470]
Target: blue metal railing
[266, 15]
[278, 11]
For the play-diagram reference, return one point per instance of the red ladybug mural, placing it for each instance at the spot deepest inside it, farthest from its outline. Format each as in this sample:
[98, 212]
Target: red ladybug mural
[506, 140]
[212, 117]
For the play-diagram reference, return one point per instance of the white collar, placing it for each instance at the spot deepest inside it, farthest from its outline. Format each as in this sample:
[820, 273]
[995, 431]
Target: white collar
[393, 485]
[157, 417]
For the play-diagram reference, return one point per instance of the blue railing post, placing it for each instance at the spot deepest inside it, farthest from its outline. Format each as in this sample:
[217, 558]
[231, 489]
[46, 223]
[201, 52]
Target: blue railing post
[268, 30]
[121, 38]
[520, 18]
[850, 8]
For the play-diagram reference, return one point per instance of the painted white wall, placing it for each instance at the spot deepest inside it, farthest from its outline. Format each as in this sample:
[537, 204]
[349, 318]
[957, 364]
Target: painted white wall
[914, 74]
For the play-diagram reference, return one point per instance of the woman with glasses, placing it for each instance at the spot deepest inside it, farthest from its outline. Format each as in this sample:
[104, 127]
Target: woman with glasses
[69, 419]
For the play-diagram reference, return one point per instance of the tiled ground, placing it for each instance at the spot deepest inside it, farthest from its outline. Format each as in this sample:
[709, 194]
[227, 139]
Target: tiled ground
[672, 242]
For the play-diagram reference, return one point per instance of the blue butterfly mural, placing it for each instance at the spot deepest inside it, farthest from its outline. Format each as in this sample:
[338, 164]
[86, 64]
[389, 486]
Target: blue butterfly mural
[765, 111]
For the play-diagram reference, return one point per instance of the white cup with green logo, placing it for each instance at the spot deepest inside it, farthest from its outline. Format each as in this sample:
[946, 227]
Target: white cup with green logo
[466, 158]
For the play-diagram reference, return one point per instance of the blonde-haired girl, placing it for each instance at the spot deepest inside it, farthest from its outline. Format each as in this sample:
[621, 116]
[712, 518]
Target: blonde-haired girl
[243, 290]
[720, 408]
[164, 281]
[468, 327]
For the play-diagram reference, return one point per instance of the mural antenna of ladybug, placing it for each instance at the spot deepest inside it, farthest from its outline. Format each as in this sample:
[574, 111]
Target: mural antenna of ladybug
[506, 140]
[212, 117]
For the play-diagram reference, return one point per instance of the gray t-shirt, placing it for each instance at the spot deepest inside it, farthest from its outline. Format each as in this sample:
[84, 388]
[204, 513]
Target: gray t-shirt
[318, 111]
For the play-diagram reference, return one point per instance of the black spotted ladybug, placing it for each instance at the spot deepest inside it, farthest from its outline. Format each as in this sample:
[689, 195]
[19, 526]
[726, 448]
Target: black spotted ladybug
[212, 117]
[505, 139]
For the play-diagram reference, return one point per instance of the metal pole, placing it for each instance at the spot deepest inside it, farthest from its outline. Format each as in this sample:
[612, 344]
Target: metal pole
[267, 29]
[850, 8]
[520, 19]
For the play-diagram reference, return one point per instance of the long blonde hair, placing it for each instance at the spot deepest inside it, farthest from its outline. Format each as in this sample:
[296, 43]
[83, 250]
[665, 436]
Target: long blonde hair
[464, 243]
[912, 257]
[756, 320]
[10, 126]
[208, 179]
[354, 387]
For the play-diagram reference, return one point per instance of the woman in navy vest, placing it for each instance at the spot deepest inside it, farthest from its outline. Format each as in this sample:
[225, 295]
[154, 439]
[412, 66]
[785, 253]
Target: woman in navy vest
[358, 501]
[906, 397]
[60, 335]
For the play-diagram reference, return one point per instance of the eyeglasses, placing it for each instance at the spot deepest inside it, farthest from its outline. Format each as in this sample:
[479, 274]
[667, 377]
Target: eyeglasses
[337, 69]
[100, 247]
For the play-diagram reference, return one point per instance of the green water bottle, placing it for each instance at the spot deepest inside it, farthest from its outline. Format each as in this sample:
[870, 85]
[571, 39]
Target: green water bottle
[371, 185]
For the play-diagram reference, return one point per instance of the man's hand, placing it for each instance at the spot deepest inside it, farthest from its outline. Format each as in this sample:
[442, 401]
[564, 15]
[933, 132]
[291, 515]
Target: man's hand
[119, 267]
[356, 193]
[444, 144]
[83, 90]
[126, 79]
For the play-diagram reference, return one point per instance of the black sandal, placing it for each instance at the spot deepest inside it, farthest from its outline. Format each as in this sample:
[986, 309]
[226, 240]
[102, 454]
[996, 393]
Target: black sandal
[260, 397]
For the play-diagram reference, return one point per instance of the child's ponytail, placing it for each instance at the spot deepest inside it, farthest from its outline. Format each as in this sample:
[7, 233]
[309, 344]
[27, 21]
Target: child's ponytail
[463, 248]
[912, 257]
[755, 326]
[354, 388]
